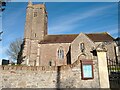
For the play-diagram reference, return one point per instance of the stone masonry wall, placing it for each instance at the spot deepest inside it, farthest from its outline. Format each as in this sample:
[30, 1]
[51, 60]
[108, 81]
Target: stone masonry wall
[76, 50]
[110, 46]
[67, 76]
[49, 52]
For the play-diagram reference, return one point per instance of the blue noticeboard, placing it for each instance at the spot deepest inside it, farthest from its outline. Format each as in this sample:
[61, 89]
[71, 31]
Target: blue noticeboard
[87, 71]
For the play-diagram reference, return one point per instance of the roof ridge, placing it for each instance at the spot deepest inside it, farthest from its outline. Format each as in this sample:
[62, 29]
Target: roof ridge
[110, 35]
[98, 33]
[60, 34]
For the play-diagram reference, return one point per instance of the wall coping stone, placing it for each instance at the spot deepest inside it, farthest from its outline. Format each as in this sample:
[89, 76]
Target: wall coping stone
[40, 68]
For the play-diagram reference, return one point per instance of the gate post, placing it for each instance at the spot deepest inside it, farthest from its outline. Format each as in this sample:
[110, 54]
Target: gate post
[102, 67]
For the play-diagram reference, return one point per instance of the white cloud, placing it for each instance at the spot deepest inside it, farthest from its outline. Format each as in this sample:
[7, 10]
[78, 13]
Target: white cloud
[62, 28]
[109, 29]
[68, 22]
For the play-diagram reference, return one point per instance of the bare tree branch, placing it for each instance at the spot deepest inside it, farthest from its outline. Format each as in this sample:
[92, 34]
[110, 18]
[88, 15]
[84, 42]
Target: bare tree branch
[14, 49]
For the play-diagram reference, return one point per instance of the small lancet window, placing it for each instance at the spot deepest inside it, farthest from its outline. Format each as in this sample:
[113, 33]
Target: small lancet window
[35, 34]
[82, 47]
[50, 63]
[35, 14]
[61, 53]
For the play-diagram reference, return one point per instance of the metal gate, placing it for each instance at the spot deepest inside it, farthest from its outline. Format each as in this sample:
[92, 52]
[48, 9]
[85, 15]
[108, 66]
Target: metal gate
[114, 73]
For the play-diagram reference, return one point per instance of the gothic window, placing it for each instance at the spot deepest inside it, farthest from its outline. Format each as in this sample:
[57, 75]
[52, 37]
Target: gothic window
[35, 14]
[60, 53]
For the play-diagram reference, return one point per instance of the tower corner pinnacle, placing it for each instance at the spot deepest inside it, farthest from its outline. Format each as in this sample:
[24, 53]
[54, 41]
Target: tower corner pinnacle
[29, 3]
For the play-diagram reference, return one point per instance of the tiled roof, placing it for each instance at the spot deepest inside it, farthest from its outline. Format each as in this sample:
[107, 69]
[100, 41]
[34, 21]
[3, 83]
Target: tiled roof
[68, 38]
[59, 38]
[100, 37]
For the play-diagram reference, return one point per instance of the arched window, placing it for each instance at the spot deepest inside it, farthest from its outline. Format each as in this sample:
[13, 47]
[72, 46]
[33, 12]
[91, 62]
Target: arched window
[60, 53]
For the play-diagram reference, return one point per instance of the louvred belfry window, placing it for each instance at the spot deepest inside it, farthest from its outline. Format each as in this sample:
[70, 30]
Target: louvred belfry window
[35, 14]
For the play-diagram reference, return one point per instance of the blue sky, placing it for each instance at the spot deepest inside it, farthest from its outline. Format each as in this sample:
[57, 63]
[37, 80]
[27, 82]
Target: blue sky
[63, 18]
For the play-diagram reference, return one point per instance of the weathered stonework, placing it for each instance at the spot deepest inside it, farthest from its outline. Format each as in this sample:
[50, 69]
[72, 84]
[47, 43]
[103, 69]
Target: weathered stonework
[48, 52]
[110, 47]
[76, 50]
[35, 30]
[67, 76]
[41, 49]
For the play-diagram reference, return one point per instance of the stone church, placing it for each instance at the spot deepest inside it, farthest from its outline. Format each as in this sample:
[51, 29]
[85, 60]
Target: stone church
[42, 49]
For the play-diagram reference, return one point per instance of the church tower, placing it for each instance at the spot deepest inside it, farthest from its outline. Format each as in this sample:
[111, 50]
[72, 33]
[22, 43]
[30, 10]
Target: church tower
[35, 30]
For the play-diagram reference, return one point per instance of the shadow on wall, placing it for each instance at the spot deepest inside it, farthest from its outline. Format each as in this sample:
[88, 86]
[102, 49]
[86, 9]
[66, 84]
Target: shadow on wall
[58, 78]
[69, 56]
[67, 83]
